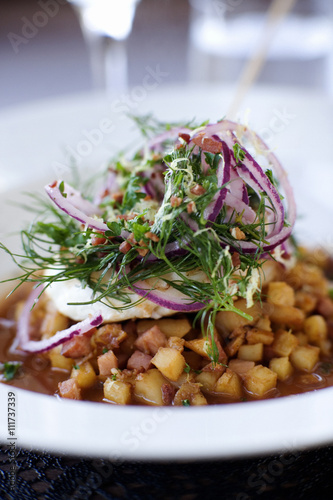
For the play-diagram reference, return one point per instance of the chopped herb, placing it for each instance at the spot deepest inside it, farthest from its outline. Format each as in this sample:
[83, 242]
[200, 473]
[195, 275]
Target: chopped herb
[239, 153]
[114, 376]
[187, 368]
[76, 367]
[105, 350]
[10, 369]
[186, 402]
[62, 189]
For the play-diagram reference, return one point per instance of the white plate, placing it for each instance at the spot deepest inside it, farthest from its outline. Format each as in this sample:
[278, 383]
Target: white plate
[34, 139]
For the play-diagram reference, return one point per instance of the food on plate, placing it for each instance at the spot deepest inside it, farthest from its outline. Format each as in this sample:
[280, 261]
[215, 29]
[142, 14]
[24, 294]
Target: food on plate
[176, 281]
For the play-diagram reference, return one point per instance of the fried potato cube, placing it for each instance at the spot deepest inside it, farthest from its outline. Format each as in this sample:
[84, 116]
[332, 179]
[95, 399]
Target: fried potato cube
[84, 374]
[290, 316]
[207, 380]
[315, 328]
[302, 338]
[305, 357]
[264, 323]
[280, 294]
[252, 352]
[305, 301]
[117, 391]
[240, 366]
[282, 367]
[58, 360]
[170, 362]
[170, 327]
[69, 389]
[259, 380]
[284, 343]
[200, 346]
[230, 384]
[147, 387]
[256, 335]
[227, 321]
[189, 393]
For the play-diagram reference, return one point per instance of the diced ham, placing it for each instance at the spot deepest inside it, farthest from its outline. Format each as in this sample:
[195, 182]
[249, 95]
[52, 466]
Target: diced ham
[77, 347]
[168, 393]
[106, 362]
[139, 361]
[110, 335]
[151, 340]
[69, 389]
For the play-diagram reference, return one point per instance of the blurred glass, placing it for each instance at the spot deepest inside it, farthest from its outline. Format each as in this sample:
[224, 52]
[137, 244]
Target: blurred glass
[106, 25]
[225, 33]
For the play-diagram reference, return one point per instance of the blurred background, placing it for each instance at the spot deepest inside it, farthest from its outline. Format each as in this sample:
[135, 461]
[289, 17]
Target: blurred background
[53, 48]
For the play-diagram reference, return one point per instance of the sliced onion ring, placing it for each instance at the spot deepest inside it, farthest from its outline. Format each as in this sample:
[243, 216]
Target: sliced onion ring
[39, 346]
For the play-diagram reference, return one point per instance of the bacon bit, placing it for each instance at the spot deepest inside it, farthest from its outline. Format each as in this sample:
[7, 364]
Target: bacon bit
[69, 389]
[147, 198]
[106, 362]
[124, 247]
[139, 361]
[97, 240]
[152, 236]
[168, 393]
[176, 343]
[131, 239]
[190, 207]
[211, 145]
[175, 201]
[151, 340]
[117, 197]
[237, 233]
[235, 258]
[77, 347]
[53, 185]
[214, 367]
[126, 216]
[142, 251]
[198, 190]
[207, 143]
[79, 260]
[185, 137]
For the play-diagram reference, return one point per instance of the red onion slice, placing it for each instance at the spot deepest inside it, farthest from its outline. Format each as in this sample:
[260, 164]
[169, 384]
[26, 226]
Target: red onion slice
[171, 298]
[39, 346]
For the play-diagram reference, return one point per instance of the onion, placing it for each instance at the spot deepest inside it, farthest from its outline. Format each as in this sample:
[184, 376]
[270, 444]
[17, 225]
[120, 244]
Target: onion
[38, 346]
[170, 298]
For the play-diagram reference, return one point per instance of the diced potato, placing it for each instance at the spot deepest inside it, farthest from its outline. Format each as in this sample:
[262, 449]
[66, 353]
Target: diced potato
[252, 352]
[282, 367]
[280, 294]
[230, 384]
[233, 345]
[305, 301]
[271, 270]
[259, 380]
[189, 393]
[315, 328]
[53, 322]
[200, 346]
[284, 343]
[85, 375]
[240, 366]
[117, 391]
[207, 380]
[170, 327]
[326, 347]
[176, 343]
[256, 335]
[305, 357]
[227, 321]
[264, 323]
[170, 362]
[290, 316]
[302, 338]
[147, 387]
[60, 361]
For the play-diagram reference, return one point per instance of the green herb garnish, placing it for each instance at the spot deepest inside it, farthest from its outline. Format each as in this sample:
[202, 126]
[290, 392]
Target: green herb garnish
[10, 369]
[186, 402]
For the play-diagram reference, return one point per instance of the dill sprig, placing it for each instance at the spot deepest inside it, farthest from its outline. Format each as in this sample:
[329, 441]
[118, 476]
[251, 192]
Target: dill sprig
[56, 248]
